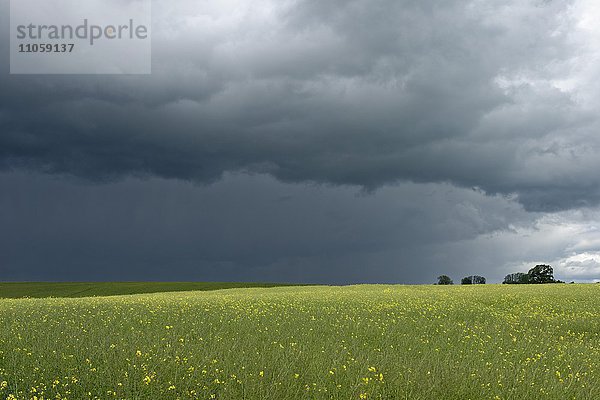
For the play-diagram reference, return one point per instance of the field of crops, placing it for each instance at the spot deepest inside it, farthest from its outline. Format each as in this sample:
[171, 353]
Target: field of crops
[357, 342]
[88, 289]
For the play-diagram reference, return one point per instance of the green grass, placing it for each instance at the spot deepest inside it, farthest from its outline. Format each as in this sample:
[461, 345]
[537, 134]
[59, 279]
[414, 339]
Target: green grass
[89, 289]
[358, 342]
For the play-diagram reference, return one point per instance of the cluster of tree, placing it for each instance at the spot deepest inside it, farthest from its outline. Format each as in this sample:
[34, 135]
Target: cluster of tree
[516, 278]
[473, 280]
[468, 280]
[444, 280]
[541, 273]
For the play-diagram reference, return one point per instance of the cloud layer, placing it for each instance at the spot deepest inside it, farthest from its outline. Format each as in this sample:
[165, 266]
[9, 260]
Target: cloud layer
[242, 228]
[489, 105]
[489, 94]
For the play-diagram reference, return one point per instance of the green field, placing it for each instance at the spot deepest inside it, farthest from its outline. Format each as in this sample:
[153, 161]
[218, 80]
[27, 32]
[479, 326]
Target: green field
[88, 289]
[356, 342]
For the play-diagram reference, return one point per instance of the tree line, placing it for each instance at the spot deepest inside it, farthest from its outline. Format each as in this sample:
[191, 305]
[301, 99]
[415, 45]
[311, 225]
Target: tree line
[541, 273]
[467, 280]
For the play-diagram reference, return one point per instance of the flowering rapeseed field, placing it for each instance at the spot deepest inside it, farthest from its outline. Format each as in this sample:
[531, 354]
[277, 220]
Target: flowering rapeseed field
[357, 342]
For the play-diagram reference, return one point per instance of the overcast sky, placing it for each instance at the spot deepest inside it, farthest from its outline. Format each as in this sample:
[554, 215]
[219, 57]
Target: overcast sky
[320, 141]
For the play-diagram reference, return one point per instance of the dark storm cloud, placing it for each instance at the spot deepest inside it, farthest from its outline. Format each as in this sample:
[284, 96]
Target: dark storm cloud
[334, 92]
[344, 141]
[241, 228]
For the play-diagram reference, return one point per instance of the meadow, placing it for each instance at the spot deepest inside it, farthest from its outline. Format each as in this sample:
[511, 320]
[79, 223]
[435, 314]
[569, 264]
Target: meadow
[89, 289]
[354, 342]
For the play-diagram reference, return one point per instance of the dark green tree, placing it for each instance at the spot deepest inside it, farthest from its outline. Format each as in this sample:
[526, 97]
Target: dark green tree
[473, 280]
[541, 273]
[444, 280]
[516, 278]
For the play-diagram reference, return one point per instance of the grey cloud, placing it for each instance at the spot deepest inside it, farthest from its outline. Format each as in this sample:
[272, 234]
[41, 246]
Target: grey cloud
[237, 229]
[330, 92]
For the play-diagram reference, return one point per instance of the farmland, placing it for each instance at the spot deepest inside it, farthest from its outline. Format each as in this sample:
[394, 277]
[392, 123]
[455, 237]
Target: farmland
[354, 342]
[88, 289]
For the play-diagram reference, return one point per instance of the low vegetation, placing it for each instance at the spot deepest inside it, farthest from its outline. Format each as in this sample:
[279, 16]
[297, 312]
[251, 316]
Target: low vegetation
[88, 289]
[356, 342]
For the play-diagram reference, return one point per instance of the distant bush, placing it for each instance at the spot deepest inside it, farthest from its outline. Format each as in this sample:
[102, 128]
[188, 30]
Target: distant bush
[516, 278]
[444, 280]
[473, 280]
